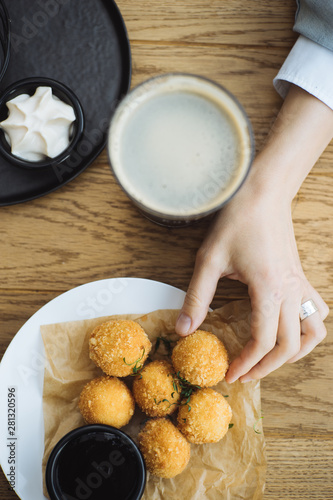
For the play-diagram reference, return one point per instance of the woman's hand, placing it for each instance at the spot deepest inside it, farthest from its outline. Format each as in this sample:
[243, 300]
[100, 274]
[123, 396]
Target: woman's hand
[252, 240]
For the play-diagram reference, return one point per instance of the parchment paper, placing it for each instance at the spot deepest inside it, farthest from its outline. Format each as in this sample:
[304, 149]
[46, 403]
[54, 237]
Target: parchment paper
[231, 469]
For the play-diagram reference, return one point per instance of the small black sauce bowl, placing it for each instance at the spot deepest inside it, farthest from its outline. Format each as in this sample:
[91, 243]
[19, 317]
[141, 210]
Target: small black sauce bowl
[97, 462]
[29, 86]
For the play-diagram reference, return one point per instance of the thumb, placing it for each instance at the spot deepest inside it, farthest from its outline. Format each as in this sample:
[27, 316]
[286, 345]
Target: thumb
[199, 295]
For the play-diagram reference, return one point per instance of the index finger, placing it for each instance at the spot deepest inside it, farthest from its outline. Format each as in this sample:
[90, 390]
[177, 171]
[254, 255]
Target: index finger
[199, 295]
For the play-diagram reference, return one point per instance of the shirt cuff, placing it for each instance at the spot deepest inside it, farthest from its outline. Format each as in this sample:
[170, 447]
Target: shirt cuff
[309, 66]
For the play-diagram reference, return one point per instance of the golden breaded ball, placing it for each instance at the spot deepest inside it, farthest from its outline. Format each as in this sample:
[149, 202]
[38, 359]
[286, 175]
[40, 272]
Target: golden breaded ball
[209, 417]
[115, 341]
[155, 384]
[200, 358]
[165, 450]
[106, 400]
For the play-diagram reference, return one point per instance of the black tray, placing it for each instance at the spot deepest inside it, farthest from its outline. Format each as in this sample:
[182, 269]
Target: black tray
[83, 44]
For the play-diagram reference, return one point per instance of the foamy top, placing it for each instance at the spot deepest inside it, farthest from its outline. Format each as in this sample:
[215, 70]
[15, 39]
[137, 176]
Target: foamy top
[180, 145]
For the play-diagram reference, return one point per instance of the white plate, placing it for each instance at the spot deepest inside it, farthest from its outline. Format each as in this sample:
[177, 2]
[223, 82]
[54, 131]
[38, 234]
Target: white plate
[22, 366]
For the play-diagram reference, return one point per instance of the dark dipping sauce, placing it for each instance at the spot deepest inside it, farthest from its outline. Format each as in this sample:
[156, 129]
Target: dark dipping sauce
[95, 462]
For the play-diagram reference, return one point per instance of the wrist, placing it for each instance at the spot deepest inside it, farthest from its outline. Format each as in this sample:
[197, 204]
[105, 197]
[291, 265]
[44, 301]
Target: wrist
[273, 174]
[300, 133]
[269, 179]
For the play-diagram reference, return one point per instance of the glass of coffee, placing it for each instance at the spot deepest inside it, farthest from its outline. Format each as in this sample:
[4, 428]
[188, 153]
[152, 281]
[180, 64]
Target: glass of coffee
[180, 146]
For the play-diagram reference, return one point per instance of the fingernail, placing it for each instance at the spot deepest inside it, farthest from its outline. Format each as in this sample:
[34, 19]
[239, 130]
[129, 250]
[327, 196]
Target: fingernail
[246, 379]
[183, 324]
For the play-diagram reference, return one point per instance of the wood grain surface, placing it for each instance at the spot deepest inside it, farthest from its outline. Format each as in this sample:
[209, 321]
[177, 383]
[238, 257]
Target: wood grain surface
[88, 230]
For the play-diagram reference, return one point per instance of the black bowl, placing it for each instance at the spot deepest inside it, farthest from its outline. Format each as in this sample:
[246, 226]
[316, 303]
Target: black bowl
[29, 86]
[4, 39]
[97, 462]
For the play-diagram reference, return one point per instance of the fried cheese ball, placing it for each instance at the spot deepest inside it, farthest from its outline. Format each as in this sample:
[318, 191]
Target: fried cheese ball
[119, 346]
[154, 385]
[165, 450]
[209, 417]
[106, 400]
[200, 358]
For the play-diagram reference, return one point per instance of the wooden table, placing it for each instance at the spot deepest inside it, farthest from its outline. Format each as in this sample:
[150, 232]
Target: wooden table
[88, 230]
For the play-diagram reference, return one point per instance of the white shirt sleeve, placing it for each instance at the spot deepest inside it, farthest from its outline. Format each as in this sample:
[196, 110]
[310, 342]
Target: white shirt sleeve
[309, 66]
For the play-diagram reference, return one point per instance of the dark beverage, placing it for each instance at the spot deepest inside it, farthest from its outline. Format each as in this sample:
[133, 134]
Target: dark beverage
[180, 146]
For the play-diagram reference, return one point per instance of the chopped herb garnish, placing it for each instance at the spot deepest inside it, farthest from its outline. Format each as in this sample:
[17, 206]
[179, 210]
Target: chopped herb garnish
[165, 401]
[231, 426]
[184, 388]
[167, 344]
[255, 425]
[137, 366]
[157, 345]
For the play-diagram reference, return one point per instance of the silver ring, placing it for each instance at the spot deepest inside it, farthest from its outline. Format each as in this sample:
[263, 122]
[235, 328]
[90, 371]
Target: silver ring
[307, 308]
